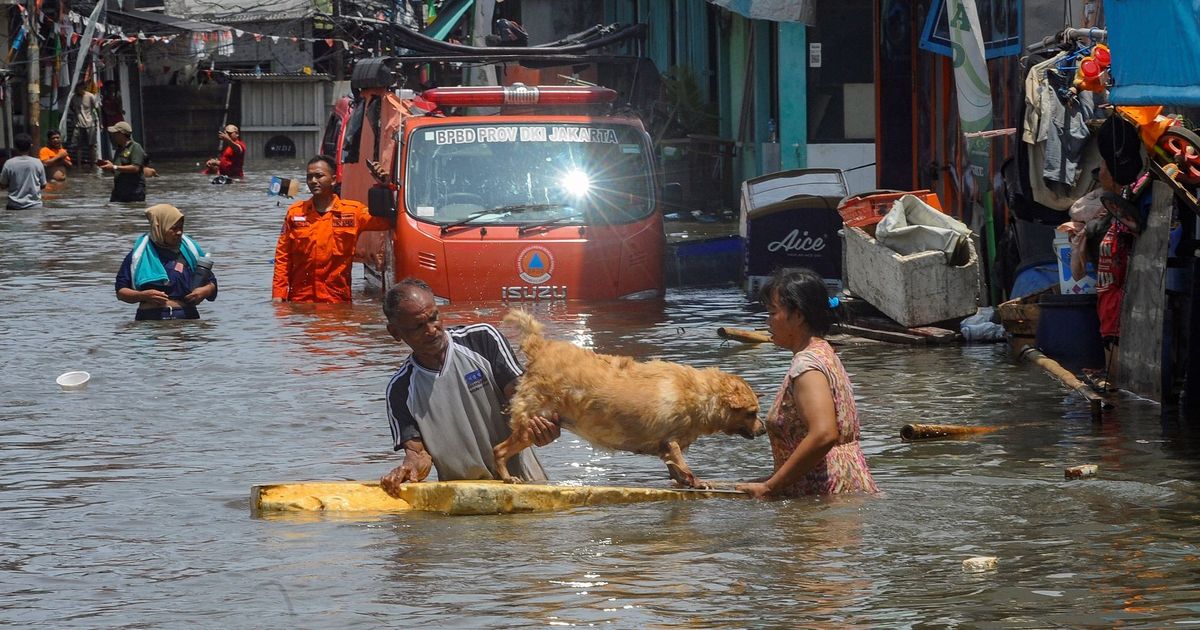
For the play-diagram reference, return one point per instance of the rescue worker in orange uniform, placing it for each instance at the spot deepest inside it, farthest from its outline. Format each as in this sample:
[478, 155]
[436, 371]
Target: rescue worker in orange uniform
[315, 252]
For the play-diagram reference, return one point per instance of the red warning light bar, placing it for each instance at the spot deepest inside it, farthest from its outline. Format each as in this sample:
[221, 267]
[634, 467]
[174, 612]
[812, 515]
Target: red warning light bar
[518, 94]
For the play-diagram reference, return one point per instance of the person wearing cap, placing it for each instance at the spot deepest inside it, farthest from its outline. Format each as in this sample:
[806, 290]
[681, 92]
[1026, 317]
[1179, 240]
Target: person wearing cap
[160, 273]
[315, 252]
[233, 154]
[129, 181]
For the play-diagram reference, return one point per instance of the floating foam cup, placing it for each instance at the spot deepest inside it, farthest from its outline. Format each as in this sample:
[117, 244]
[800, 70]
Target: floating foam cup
[73, 380]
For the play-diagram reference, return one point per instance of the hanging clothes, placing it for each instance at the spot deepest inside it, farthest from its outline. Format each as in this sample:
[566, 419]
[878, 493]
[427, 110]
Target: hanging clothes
[1057, 156]
[1064, 130]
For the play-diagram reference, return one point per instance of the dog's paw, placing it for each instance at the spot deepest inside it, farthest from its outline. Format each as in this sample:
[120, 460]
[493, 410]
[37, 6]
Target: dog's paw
[514, 480]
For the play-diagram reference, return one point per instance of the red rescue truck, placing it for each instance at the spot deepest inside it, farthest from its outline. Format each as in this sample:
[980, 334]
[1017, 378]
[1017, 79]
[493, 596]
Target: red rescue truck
[550, 197]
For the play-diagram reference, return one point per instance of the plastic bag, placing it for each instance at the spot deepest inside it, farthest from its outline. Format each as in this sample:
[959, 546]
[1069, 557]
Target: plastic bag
[981, 326]
[913, 226]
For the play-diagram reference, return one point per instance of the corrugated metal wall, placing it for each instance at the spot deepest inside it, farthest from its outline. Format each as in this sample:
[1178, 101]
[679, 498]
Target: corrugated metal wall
[294, 109]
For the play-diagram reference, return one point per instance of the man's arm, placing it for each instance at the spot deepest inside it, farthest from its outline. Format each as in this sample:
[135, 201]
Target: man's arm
[415, 468]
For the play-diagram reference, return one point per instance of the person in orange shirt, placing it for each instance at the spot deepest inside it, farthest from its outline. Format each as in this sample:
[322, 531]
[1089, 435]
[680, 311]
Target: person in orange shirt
[54, 157]
[315, 252]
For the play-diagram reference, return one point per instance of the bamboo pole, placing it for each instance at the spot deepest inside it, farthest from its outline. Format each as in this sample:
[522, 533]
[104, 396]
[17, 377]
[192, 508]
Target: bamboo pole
[910, 432]
[34, 114]
[742, 335]
[1052, 367]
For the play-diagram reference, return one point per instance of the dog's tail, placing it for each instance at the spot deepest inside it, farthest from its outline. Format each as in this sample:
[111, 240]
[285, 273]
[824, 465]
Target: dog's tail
[531, 329]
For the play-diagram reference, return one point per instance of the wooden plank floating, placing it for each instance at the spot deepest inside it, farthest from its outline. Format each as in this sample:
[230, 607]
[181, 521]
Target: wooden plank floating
[455, 497]
[882, 335]
[1052, 367]
[743, 335]
[910, 432]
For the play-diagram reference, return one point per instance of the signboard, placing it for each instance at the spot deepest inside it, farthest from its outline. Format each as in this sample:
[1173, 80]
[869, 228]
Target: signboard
[797, 237]
[279, 146]
[999, 24]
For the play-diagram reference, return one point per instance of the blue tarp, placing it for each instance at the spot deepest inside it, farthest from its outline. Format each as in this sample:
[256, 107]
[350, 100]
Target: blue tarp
[1155, 51]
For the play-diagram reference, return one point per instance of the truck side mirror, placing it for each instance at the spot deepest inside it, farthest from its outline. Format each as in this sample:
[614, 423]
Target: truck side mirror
[673, 195]
[381, 202]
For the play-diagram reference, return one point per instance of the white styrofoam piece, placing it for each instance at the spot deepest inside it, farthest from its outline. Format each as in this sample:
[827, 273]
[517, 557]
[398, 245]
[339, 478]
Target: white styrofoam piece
[914, 290]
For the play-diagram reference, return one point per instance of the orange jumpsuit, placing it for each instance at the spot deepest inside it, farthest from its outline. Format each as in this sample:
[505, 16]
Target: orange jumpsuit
[315, 252]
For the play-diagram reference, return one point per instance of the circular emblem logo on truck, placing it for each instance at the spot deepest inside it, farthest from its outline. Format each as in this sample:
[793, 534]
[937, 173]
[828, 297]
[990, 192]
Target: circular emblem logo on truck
[535, 264]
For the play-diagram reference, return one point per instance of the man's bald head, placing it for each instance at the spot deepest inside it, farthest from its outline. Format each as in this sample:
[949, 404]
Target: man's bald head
[407, 290]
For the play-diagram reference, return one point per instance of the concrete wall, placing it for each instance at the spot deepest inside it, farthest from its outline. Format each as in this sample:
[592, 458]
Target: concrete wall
[195, 8]
[846, 156]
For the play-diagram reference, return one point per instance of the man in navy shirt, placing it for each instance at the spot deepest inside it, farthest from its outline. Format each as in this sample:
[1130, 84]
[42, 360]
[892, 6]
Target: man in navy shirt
[445, 404]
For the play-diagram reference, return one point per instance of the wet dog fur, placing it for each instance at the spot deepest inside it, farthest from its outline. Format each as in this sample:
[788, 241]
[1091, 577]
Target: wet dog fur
[652, 408]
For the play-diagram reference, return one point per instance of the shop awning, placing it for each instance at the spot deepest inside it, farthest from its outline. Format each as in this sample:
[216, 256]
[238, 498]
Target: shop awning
[159, 24]
[1154, 44]
[774, 10]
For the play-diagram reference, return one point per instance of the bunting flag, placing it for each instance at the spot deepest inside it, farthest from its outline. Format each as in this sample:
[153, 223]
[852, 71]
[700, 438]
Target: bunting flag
[200, 43]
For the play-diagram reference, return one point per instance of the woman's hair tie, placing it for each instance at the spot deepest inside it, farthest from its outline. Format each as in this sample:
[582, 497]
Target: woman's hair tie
[834, 302]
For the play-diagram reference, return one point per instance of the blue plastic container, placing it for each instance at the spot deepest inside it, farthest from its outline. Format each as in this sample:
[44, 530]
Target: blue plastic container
[1069, 331]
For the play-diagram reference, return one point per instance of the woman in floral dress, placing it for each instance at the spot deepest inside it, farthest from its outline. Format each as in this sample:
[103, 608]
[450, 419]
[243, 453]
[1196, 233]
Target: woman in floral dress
[813, 425]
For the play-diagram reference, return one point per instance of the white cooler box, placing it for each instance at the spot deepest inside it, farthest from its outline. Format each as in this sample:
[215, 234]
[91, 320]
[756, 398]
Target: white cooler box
[915, 290]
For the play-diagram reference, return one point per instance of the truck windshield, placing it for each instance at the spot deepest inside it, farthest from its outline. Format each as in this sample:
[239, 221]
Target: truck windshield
[559, 174]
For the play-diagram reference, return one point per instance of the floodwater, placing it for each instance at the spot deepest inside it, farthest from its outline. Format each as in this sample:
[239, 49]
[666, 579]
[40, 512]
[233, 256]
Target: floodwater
[126, 505]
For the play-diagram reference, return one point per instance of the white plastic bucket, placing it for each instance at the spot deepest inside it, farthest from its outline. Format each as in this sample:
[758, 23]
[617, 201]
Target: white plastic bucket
[73, 380]
[1066, 284]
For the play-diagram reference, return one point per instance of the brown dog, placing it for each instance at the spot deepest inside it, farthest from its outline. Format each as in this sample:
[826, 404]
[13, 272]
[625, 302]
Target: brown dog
[653, 408]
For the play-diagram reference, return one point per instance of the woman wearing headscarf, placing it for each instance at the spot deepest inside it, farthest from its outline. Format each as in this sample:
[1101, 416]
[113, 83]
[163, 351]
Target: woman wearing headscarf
[160, 274]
